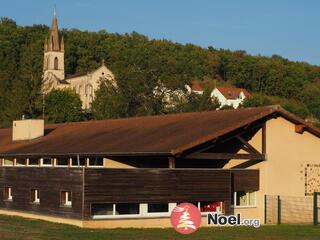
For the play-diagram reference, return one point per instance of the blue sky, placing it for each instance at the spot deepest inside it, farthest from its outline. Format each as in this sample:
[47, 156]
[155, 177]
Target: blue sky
[290, 28]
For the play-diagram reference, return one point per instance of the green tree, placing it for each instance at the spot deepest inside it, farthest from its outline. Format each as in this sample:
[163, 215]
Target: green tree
[310, 95]
[63, 106]
[109, 102]
[140, 64]
[133, 96]
[197, 102]
[290, 105]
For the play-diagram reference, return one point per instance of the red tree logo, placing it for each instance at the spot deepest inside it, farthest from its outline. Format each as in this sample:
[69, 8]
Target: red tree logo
[185, 218]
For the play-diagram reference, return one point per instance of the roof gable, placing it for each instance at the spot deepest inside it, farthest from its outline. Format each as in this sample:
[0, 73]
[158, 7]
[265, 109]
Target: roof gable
[71, 77]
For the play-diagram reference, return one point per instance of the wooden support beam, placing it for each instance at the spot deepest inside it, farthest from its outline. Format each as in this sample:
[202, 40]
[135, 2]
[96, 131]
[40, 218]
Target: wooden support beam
[224, 156]
[228, 137]
[248, 145]
[247, 164]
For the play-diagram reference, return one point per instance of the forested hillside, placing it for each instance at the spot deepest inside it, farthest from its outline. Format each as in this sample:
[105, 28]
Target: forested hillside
[139, 62]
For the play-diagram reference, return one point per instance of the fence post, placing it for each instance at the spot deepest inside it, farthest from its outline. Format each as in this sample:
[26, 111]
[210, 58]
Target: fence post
[265, 209]
[279, 210]
[315, 208]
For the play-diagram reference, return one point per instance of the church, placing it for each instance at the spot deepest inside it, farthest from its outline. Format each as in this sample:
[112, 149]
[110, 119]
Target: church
[54, 74]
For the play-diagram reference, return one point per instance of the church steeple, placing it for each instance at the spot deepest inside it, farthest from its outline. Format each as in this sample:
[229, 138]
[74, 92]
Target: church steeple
[54, 43]
[54, 53]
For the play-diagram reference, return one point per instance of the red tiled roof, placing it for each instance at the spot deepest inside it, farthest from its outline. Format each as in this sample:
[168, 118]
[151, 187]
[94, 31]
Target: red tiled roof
[233, 92]
[196, 86]
[141, 136]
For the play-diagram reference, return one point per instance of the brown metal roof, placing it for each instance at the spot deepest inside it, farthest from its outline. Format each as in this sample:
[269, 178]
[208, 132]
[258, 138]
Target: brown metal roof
[152, 135]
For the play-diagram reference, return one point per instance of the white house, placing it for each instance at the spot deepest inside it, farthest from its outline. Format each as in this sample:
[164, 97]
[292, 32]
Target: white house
[230, 96]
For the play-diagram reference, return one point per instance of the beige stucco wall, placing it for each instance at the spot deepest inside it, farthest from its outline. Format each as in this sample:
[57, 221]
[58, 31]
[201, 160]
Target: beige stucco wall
[109, 163]
[288, 153]
[163, 222]
[83, 84]
[27, 129]
[48, 64]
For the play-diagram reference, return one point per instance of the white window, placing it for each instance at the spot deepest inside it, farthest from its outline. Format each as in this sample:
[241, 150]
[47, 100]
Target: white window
[7, 194]
[107, 210]
[78, 162]
[21, 162]
[47, 162]
[8, 162]
[102, 209]
[144, 210]
[127, 209]
[35, 196]
[62, 162]
[244, 199]
[66, 198]
[97, 162]
[33, 162]
[158, 208]
[208, 206]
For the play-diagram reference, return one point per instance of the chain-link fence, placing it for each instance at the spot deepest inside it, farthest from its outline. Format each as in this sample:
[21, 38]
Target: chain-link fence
[292, 210]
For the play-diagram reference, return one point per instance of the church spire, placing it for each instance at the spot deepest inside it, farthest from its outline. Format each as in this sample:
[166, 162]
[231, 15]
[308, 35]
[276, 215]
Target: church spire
[54, 37]
[53, 64]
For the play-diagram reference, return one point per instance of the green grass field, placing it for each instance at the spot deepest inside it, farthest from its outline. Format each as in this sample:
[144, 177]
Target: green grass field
[26, 229]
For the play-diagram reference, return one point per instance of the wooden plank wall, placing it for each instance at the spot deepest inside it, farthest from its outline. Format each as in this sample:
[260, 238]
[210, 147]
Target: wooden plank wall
[50, 182]
[245, 180]
[160, 185]
[96, 185]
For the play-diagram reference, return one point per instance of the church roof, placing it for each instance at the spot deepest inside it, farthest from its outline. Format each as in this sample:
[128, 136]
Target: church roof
[69, 77]
[75, 75]
[63, 81]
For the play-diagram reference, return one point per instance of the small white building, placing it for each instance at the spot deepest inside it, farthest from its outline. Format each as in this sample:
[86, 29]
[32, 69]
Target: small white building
[230, 96]
[227, 96]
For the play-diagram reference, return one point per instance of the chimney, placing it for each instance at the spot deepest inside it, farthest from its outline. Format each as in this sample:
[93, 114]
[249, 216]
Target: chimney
[27, 129]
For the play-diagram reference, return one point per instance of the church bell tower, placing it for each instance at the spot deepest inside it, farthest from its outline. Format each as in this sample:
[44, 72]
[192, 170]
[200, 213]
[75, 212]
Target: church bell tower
[53, 64]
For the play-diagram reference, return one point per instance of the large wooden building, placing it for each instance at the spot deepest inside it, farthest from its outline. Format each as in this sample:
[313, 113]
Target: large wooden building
[132, 172]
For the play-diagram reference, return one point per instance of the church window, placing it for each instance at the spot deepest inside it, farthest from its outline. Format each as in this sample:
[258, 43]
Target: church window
[89, 94]
[56, 63]
[48, 63]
